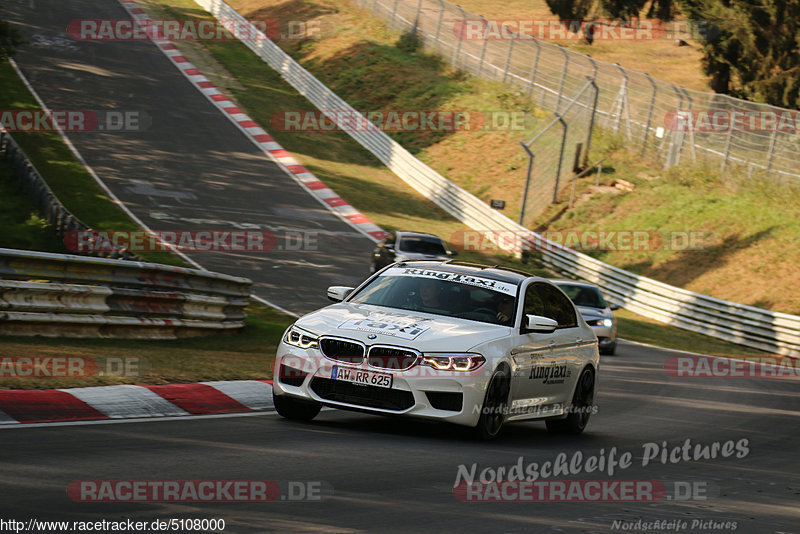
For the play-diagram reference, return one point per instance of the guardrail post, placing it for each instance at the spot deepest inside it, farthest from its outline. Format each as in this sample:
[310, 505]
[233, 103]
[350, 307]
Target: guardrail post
[535, 68]
[508, 56]
[649, 113]
[563, 77]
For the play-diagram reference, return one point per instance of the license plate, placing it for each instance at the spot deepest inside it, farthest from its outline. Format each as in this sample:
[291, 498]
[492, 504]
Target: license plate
[362, 377]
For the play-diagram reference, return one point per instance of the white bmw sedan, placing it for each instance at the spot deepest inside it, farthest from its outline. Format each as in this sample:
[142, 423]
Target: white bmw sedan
[467, 344]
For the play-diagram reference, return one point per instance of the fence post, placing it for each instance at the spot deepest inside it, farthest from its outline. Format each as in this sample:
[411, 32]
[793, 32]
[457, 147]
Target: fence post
[623, 103]
[394, 10]
[728, 143]
[649, 113]
[483, 48]
[508, 56]
[591, 121]
[560, 157]
[773, 140]
[691, 125]
[438, 24]
[535, 67]
[527, 184]
[563, 76]
[419, 10]
[460, 40]
[674, 153]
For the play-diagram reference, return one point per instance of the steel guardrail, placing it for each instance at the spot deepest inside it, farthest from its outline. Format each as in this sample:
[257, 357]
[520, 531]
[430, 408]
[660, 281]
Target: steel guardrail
[50, 294]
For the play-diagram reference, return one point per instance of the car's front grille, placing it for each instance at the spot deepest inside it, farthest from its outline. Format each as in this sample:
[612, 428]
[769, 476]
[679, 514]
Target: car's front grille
[342, 350]
[446, 400]
[393, 358]
[367, 396]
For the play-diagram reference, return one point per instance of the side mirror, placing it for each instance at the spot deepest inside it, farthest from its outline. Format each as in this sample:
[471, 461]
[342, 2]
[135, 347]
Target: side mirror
[452, 253]
[537, 323]
[339, 293]
[389, 246]
[613, 307]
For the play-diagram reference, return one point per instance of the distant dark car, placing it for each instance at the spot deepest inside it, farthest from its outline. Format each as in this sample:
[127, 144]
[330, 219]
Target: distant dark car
[406, 246]
[595, 310]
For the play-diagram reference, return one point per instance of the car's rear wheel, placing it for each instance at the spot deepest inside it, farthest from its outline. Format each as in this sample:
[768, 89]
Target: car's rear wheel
[292, 408]
[581, 408]
[495, 404]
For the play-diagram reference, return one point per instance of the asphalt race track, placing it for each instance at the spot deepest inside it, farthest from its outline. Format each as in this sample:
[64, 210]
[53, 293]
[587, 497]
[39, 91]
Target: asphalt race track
[384, 474]
[190, 168]
[373, 474]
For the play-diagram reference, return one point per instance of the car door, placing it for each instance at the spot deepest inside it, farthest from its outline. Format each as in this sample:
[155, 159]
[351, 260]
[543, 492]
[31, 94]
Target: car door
[531, 352]
[547, 365]
[556, 379]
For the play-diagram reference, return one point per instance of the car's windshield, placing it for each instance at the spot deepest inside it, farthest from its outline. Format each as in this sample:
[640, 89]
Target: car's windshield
[442, 293]
[421, 245]
[581, 295]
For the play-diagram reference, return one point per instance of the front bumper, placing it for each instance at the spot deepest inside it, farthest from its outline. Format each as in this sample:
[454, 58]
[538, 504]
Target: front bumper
[421, 391]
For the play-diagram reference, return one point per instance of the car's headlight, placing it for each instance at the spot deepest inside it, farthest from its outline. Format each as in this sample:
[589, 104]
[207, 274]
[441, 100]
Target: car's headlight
[300, 338]
[608, 323]
[453, 361]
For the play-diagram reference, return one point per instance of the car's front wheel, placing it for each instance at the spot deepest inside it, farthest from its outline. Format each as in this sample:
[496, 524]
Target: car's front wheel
[581, 408]
[292, 408]
[495, 405]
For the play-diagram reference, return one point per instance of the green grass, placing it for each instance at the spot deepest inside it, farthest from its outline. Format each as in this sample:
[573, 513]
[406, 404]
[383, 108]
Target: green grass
[248, 354]
[23, 227]
[67, 177]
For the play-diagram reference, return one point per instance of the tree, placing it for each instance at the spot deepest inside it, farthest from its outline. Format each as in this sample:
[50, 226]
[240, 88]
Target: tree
[10, 39]
[752, 49]
[623, 9]
[570, 9]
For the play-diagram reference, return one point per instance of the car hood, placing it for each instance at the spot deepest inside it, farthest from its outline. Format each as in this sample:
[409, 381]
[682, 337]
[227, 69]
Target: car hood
[595, 313]
[423, 331]
[419, 256]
